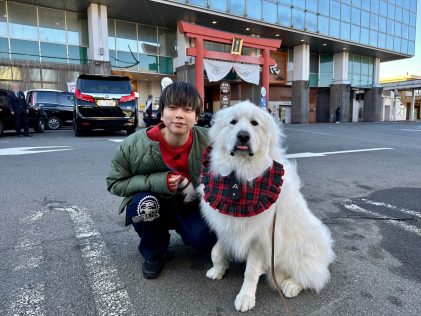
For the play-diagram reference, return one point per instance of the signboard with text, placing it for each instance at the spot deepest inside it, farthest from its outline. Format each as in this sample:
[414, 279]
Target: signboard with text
[237, 46]
[278, 72]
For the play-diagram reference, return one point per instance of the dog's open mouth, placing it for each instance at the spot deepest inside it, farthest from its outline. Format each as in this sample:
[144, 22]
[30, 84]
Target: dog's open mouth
[242, 148]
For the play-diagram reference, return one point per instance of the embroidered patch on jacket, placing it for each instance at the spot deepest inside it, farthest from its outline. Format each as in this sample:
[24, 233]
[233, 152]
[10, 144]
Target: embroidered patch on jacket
[147, 210]
[231, 197]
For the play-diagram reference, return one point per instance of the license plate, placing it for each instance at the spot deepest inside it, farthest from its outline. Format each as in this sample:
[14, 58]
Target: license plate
[106, 102]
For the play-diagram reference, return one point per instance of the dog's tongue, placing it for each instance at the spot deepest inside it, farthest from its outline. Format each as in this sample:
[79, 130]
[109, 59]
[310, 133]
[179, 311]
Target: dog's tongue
[242, 147]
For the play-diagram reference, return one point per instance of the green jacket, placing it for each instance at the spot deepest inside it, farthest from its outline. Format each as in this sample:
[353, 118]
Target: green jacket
[138, 166]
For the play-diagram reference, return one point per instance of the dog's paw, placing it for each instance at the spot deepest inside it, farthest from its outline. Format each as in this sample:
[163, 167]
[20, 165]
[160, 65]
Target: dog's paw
[215, 274]
[290, 288]
[244, 303]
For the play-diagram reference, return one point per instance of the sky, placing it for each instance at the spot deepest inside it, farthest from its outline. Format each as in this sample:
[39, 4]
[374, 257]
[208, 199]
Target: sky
[411, 66]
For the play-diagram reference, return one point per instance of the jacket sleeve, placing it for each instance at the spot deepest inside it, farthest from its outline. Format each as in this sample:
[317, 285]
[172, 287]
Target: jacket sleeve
[122, 182]
[10, 102]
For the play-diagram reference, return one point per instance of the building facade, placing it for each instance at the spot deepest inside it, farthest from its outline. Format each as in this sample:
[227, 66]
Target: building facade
[329, 55]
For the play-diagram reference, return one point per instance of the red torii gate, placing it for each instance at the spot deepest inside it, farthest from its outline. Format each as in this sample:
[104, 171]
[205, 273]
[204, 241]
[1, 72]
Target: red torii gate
[201, 33]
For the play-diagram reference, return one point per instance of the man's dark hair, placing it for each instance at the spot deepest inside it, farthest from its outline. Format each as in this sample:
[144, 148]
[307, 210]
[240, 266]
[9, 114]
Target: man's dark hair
[181, 94]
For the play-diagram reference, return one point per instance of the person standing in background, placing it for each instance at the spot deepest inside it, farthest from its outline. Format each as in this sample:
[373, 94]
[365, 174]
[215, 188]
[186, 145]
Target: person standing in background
[338, 114]
[19, 109]
[148, 110]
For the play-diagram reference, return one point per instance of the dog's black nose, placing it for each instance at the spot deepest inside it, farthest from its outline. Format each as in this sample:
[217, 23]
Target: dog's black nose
[243, 136]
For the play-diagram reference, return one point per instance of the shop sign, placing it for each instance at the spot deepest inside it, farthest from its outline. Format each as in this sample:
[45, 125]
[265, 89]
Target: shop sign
[237, 46]
[71, 87]
[278, 71]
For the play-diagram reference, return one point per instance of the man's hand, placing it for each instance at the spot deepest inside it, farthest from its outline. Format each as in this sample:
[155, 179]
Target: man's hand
[11, 112]
[172, 182]
[27, 111]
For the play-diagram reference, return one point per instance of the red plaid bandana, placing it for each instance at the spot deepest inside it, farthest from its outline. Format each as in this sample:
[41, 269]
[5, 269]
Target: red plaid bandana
[230, 197]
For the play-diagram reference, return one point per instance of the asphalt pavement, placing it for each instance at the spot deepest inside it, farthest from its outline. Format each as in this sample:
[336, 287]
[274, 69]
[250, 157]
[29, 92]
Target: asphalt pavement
[64, 250]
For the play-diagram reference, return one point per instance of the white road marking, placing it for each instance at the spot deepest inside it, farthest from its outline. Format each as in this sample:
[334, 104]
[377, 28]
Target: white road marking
[411, 130]
[31, 150]
[310, 154]
[108, 291]
[392, 207]
[29, 255]
[29, 301]
[405, 226]
[116, 140]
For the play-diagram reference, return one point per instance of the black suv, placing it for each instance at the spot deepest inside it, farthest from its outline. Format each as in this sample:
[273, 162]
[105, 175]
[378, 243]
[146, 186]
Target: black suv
[105, 102]
[36, 116]
[58, 106]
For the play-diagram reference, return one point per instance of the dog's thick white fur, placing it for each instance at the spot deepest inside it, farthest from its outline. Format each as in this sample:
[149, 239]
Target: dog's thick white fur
[303, 245]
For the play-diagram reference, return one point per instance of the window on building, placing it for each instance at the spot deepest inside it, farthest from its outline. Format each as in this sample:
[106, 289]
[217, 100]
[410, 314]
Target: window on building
[3, 20]
[22, 21]
[284, 15]
[324, 7]
[77, 29]
[218, 5]
[24, 50]
[254, 9]
[269, 11]
[56, 53]
[167, 42]
[298, 18]
[323, 25]
[311, 22]
[148, 42]
[126, 36]
[334, 28]
[237, 7]
[52, 26]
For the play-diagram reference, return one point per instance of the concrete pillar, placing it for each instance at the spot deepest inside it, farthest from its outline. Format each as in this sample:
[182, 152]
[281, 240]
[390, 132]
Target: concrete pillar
[373, 105]
[412, 109]
[340, 90]
[301, 84]
[99, 60]
[376, 73]
[340, 96]
[182, 45]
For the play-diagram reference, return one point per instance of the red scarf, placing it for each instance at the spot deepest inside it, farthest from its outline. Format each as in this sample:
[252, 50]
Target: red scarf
[231, 197]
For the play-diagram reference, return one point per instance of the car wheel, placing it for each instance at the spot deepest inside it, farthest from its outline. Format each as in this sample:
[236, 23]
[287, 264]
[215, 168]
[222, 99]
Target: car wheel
[40, 127]
[1, 127]
[131, 130]
[53, 123]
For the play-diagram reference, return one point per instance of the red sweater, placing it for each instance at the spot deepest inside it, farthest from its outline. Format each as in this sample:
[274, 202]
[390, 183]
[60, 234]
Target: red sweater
[176, 158]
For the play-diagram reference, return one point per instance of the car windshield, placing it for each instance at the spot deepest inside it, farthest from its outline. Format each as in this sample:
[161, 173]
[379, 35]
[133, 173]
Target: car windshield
[66, 99]
[105, 86]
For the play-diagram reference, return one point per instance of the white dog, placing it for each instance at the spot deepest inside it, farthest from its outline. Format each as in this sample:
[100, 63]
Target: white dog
[246, 155]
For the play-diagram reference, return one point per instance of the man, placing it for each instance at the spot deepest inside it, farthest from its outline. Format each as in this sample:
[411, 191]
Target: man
[19, 109]
[338, 114]
[148, 110]
[156, 170]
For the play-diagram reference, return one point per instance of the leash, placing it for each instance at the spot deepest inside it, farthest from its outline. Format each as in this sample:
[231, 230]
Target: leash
[289, 311]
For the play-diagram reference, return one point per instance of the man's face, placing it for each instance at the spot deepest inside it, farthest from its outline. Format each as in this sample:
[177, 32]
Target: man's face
[15, 87]
[179, 120]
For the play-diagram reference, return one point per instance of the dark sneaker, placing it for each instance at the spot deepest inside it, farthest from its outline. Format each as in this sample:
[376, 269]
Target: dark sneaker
[152, 269]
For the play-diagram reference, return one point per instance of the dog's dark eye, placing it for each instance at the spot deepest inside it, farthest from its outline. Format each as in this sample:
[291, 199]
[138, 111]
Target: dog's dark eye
[233, 122]
[254, 123]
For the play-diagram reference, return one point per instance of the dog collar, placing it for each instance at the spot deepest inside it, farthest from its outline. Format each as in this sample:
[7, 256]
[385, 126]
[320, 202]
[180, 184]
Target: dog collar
[231, 197]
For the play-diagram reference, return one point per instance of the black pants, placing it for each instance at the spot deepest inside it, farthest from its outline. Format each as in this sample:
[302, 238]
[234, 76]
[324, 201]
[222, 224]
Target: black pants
[21, 116]
[152, 216]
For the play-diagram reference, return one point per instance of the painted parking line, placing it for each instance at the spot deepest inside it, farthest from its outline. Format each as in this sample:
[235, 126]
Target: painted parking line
[411, 130]
[311, 154]
[410, 228]
[110, 295]
[14, 151]
[116, 140]
[29, 255]
[392, 207]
